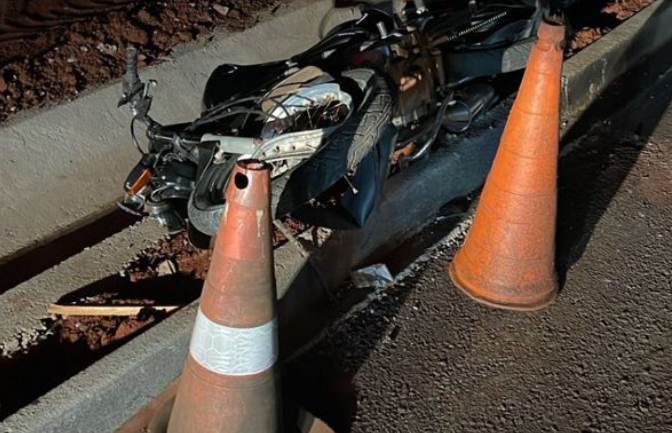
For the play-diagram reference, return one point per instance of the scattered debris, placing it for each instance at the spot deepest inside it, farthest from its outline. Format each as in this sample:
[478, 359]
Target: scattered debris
[166, 267]
[594, 20]
[108, 49]
[374, 276]
[23, 341]
[585, 37]
[170, 257]
[624, 9]
[222, 10]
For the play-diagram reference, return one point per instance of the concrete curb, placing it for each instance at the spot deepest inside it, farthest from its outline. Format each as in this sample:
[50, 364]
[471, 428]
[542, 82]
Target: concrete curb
[613, 55]
[69, 162]
[106, 394]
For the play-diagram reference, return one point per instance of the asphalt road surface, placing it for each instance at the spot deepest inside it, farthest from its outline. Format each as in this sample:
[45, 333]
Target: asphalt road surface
[425, 358]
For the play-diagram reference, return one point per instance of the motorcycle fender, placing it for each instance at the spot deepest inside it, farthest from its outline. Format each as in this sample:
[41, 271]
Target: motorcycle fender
[229, 82]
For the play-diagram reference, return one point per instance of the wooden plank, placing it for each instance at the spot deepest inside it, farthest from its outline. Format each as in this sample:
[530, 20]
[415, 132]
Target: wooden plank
[106, 310]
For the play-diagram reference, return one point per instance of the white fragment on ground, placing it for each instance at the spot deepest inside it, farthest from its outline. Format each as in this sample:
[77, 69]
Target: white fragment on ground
[107, 48]
[374, 276]
[452, 239]
[221, 10]
[165, 268]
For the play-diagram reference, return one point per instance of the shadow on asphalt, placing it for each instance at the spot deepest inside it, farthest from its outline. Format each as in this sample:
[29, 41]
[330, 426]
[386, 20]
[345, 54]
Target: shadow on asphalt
[610, 134]
[320, 382]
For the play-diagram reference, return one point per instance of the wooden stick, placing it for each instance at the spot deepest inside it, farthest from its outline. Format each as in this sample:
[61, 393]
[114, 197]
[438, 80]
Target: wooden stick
[106, 310]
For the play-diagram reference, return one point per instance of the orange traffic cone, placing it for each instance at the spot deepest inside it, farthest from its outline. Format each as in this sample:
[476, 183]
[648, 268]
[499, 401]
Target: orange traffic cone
[507, 260]
[229, 383]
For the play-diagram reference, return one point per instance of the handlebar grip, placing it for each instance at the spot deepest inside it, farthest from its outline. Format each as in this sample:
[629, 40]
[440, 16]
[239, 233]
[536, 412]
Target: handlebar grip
[132, 78]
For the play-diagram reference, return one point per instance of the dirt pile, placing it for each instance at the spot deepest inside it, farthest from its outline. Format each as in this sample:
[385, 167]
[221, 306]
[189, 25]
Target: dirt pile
[61, 63]
[99, 332]
[58, 64]
[585, 37]
[170, 256]
[606, 16]
[624, 9]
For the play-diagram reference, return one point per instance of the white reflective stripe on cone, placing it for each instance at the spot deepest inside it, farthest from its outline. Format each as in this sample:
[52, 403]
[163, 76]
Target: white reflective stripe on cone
[234, 351]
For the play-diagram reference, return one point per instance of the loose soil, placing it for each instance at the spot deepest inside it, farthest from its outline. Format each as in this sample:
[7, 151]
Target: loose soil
[67, 346]
[59, 64]
[178, 254]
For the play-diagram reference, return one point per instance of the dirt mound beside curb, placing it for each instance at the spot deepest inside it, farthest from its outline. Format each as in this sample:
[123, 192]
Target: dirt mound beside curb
[59, 64]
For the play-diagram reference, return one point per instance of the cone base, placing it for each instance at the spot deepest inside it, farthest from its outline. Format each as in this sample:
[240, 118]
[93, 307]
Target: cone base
[540, 304]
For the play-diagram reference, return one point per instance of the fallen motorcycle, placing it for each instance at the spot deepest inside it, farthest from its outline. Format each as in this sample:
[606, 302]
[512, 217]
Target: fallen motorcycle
[335, 121]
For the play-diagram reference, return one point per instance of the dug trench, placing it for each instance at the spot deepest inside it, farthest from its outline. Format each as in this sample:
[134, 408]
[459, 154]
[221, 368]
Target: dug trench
[170, 273]
[171, 263]
[23, 266]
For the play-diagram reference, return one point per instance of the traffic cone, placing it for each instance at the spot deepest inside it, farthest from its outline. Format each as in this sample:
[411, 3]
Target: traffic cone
[230, 382]
[507, 260]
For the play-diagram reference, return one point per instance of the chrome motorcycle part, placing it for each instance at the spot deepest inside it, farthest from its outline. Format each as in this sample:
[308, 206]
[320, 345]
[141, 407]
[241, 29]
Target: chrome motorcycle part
[164, 213]
[322, 99]
[287, 151]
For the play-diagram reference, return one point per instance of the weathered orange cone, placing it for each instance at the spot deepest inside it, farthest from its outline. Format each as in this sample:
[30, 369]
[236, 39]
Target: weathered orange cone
[507, 260]
[229, 383]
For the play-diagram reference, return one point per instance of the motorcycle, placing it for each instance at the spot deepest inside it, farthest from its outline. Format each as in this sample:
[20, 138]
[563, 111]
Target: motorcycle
[335, 121]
